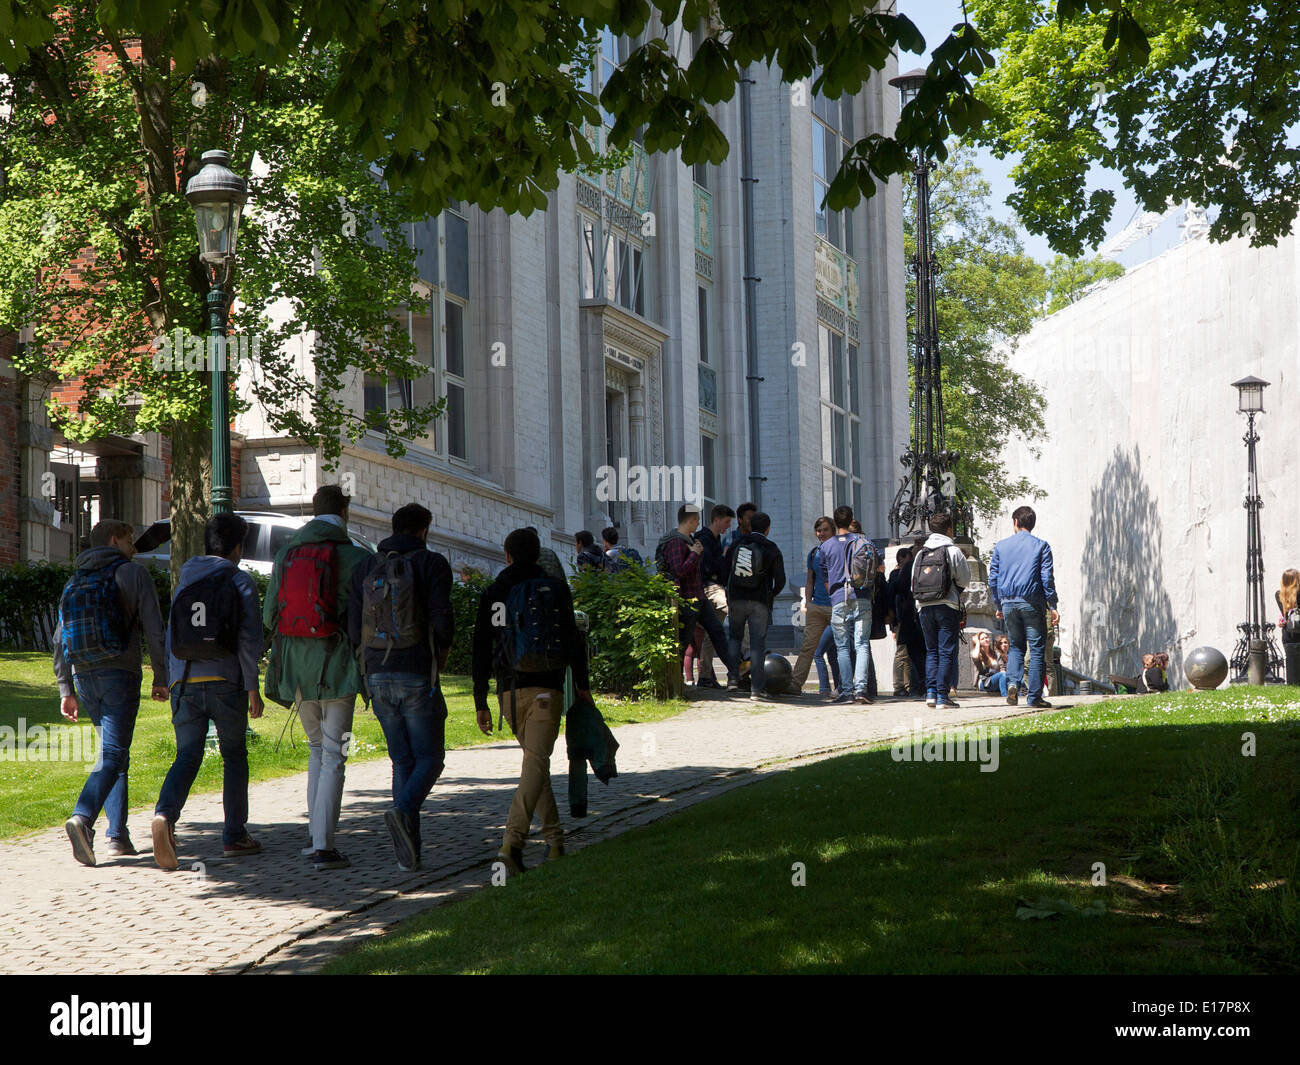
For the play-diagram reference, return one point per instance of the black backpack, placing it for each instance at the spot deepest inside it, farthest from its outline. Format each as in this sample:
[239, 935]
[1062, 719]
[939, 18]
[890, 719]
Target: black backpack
[749, 566]
[536, 629]
[931, 575]
[661, 558]
[204, 620]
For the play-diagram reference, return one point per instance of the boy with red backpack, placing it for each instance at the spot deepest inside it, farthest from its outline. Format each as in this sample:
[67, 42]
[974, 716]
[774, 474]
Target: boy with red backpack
[214, 644]
[104, 608]
[525, 634]
[312, 662]
[400, 616]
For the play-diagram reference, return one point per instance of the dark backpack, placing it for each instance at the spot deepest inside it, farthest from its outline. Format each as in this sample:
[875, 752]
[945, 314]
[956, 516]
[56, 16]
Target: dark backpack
[749, 566]
[860, 564]
[536, 626]
[309, 591]
[618, 558]
[391, 614]
[931, 575]
[95, 627]
[661, 555]
[204, 620]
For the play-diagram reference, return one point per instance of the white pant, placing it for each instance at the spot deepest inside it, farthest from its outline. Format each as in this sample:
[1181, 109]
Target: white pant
[328, 724]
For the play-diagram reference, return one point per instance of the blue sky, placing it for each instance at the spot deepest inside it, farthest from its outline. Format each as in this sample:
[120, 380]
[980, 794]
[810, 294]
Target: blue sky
[935, 19]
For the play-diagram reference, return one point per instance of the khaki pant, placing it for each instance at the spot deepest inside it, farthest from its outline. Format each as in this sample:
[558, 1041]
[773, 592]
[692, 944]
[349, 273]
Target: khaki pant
[537, 724]
[717, 595]
[902, 668]
[818, 618]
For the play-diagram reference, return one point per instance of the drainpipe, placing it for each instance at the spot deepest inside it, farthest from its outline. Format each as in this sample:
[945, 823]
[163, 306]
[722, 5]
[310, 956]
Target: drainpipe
[752, 380]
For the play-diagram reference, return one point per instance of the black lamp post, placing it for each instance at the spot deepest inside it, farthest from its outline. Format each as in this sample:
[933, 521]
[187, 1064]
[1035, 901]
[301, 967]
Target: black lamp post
[218, 196]
[1256, 656]
[930, 485]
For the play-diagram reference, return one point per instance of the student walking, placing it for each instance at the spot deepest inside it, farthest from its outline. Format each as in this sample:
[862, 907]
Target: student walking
[106, 604]
[714, 577]
[940, 573]
[617, 557]
[588, 557]
[214, 644]
[312, 662]
[851, 560]
[525, 635]
[400, 616]
[678, 556]
[817, 613]
[755, 575]
[1023, 587]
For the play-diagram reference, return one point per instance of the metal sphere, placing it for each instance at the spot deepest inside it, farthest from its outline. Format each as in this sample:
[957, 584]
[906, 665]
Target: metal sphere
[1206, 668]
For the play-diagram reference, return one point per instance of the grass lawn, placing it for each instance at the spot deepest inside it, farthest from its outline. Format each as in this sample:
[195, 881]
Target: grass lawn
[918, 867]
[38, 794]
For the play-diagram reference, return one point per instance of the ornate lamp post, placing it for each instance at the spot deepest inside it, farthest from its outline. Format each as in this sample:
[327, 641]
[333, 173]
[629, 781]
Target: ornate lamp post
[930, 484]
[1256, 656]
[218, 196]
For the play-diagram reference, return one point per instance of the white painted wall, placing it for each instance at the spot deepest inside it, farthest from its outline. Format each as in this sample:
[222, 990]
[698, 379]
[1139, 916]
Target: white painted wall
[1145, 466]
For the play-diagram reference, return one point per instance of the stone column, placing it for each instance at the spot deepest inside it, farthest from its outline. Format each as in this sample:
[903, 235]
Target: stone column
[636, 449]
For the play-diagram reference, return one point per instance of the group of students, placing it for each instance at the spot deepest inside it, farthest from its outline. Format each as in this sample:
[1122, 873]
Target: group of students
[341, 622]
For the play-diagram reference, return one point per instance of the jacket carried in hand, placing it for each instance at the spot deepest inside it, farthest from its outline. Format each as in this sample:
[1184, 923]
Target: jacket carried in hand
[433, 583]
[588, 739]
[322, 668]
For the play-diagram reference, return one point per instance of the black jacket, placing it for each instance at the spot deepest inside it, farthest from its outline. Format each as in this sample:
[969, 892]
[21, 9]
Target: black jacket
[775, 575]
[433, 578]
[589, 558]
[900, 596]
[486, 659]
[713, 564]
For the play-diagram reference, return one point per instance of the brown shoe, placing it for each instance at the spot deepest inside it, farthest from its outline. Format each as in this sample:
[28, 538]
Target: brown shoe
[164, 843]
[122, 848]
[243, 848]
[513, 859]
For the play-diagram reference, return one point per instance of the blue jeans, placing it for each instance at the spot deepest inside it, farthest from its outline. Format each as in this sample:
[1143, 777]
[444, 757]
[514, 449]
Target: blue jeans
[997, 680]
[112, 699]
[1026, 623]
[825, 653]
[851, 625]
[742, 612]
[225, 704]
[413, 715]
[941, 625]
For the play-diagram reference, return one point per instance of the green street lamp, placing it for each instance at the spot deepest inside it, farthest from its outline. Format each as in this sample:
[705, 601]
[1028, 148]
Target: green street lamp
[218, 196]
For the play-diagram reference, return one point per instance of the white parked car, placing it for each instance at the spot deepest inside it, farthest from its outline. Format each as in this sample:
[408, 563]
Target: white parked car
[268, 532]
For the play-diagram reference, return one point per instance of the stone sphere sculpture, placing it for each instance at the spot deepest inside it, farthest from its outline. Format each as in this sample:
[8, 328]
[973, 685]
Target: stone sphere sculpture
[778, 672]
[1206, 668]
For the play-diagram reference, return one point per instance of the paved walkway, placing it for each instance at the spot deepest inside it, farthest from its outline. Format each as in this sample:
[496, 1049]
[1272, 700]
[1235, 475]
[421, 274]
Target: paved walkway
[274, 913]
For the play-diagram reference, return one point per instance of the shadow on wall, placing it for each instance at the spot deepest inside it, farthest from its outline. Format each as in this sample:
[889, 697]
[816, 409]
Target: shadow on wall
[1126, 610]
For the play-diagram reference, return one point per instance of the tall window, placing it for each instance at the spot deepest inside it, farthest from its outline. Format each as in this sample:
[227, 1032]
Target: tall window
[841, 421]
[702, 314]
[833, 127]
[612, 264]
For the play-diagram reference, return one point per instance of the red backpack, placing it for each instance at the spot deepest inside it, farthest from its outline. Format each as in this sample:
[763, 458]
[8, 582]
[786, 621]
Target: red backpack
[309, 591]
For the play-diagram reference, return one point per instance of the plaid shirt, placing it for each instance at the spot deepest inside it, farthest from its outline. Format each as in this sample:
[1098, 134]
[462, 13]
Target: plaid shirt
[684, 565]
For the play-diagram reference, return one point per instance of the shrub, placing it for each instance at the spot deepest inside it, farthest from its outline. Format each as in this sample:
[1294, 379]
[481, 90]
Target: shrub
[464, 604]
[29, 603]
[633, 630]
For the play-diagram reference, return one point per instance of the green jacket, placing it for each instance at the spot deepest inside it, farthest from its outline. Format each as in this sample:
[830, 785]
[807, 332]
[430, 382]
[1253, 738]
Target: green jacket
[322, 669]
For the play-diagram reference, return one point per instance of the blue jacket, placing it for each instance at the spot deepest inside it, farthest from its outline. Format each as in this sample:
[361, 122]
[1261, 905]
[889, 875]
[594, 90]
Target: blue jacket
[1022, 569]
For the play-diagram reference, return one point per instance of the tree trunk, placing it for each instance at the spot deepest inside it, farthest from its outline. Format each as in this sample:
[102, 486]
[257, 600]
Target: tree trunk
[191, 475]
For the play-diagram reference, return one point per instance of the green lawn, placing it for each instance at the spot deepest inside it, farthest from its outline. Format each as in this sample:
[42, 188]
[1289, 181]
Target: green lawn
[39, 794]
[917, 867]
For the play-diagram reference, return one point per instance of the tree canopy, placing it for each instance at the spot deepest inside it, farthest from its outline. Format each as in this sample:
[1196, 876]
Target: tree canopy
[1185, 99]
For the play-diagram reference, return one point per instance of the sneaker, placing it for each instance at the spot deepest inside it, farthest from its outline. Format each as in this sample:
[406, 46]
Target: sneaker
[733, 686]
[121, 848]
[1039, 704]
[1013, 695]
[330, 859]
[948, 704]
[866, 700]
[843, 697]
[308, 850]
[399, 829]
[83, 845]
[930, 698]
[409, 868]
[513, 859]
[164, 843]
[709, 683]
[899, 694]
[243, 848]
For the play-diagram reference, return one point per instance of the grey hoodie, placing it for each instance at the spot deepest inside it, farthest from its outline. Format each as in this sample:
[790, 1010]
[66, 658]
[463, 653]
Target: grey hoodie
[960, 571]
[139, 604]
[239, 669]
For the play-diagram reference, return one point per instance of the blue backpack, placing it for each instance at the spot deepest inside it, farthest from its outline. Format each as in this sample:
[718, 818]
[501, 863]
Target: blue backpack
[90, 611]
